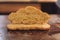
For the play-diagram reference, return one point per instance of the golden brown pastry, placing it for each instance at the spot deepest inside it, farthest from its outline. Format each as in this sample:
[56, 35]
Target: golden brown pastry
[29, 15]
[28, 27]
[28, 18]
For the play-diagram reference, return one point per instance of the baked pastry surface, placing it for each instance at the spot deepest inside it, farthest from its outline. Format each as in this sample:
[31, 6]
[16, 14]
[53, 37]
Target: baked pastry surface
[28, 18]
[28, 27]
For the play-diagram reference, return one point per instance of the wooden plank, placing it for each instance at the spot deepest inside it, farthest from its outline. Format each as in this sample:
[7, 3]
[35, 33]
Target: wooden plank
[5, 8]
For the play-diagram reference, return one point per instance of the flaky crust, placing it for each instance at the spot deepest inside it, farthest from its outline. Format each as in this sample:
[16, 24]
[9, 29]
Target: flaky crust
[29, 15]
[28, 27]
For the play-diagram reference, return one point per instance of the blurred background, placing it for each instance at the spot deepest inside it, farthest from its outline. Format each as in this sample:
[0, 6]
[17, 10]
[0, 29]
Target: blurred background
[7, 6]
[49, 6]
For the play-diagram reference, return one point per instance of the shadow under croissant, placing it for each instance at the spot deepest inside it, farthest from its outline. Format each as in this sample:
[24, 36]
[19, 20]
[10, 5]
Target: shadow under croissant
[29, 35]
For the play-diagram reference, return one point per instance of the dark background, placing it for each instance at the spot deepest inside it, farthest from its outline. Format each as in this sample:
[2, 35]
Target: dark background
[51, 8]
